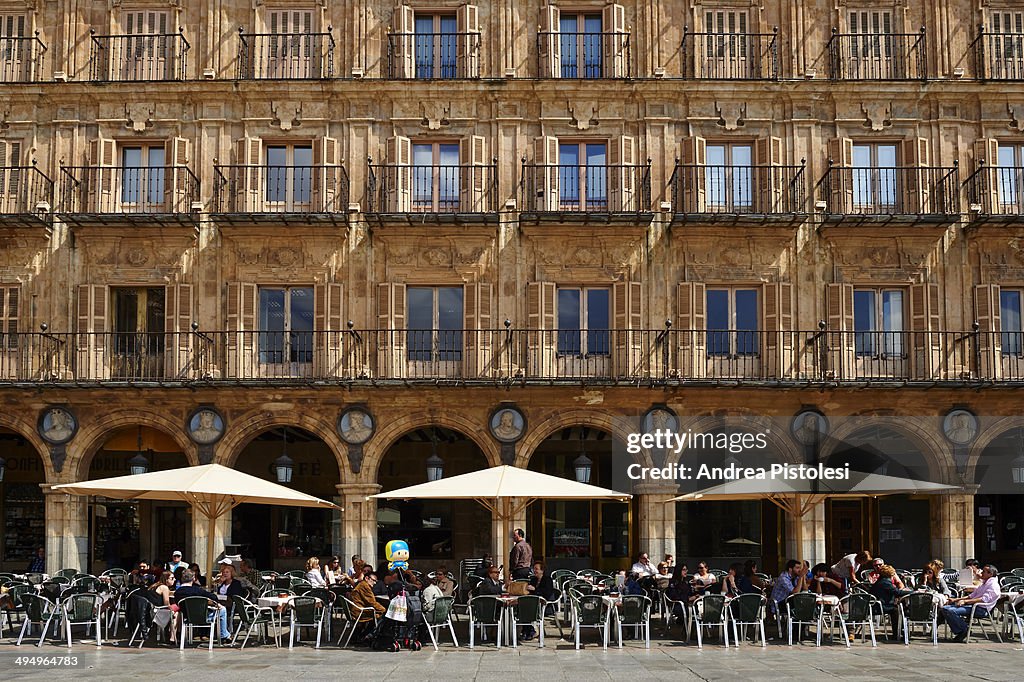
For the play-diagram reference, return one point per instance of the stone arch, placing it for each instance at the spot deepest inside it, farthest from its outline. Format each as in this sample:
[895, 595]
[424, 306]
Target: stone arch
[393, 429]
[619, 427]
[987, 434]
[242, 430]
[929, 443]
[91, 437]
[28, 431]
[778, 440]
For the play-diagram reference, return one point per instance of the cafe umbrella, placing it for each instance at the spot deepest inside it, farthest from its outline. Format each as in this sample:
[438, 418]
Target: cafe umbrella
[212, 490]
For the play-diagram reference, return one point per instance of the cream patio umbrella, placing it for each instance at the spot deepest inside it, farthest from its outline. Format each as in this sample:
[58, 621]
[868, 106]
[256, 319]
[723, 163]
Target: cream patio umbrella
[212, 490]
[505, 491]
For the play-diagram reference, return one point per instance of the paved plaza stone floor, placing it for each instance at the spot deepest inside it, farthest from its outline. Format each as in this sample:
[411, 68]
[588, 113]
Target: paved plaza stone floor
[558, 660]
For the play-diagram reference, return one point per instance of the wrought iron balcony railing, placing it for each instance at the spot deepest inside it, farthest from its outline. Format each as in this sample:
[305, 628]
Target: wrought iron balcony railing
[732, 56]
[762, 190]
[142, 57]
[428, 56]
[892, 190]
[586, 55]
[999, 55]
[560, 188]
[250, 189]
[25, 192]
[462, 188]
[878, 56]
[997, 191]
[21, 59]
[517, 355]
[285, 55]
[128, 190]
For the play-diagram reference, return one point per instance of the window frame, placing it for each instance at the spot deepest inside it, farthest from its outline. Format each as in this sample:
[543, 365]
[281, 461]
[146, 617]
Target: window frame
[1010, 178]
[127, 341]
[731, 182]
[875, 182]
[1011, 340]
[295, 183]
[447, 345]
[587, 52]
[585, 177]
[892, 342]
[571, 342]
[148, 191]
[442, 44]
[291, 350]
[735, 346]
[441, 176]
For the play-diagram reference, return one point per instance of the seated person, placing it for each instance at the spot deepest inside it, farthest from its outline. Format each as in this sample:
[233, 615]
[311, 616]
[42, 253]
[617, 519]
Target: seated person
[228, 586]
[748, 582]
[729, 586]
[884, 590]
[362, 595]
[824, 583]
[661, 580]
[443, 582]
[632, 584]
[984, 596]
[334, 574]
[931, 579]
[485, 563]
[189, 588]
[199, 577]
[491, 584]
[140, 575]
[159, 594]
[430, 594]
[702, 580]
[313, 574]
[791, 581]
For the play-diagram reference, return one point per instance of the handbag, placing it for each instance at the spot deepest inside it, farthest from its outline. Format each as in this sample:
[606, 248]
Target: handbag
[398, 609]
[518, 589]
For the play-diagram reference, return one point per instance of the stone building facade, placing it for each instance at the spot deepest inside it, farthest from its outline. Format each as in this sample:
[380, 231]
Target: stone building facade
[731, 210]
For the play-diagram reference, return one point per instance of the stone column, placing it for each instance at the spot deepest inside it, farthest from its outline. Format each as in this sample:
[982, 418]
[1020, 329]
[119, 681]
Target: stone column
[358, 522]
[67, 531]
[952, 522]
[812, 532]
[656, 522]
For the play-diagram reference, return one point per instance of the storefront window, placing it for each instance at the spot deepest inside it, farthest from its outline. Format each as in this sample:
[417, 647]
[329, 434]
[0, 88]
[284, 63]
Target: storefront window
[24, 522]
[116, 534]
[718, 531]
[425, 524]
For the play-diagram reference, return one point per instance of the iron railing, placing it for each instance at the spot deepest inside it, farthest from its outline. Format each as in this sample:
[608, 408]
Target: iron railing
[584, 55]
[434, 55]
[25, 191]
[143, 57]
[280, 189]
[285, 55]
[891, 190]
[733, 56]
[766, 190]
[462, 188]
[999, 55]
[516, 355]
[878, 56]
[996, 190]
[561, 188]
[21, 59]
[128, 189]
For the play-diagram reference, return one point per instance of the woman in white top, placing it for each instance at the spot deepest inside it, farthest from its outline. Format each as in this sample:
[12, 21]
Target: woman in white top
[702, 580]
[313, 575]
[429, 595]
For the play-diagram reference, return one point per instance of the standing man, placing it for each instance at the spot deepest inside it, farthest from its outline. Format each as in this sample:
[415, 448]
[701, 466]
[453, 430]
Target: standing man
[520, 559]
[848, 568]
[176, 561]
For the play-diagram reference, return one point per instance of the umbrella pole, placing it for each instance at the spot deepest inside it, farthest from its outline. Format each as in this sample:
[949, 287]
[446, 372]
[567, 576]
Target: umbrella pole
[798, 530]
[506, 512]
[210, 529]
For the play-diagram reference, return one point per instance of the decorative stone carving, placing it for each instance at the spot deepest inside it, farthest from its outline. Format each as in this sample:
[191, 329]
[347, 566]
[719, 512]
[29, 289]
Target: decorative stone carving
[436, 256]
[435, 115]
[731, 115]
[286, 114]
[469, 256]
[583, 113]
[136, 256]
[285, 256]
[139, 116]
[400, 256]
[1016, 112]
[585, 255]
[879, 115]
[247, 256]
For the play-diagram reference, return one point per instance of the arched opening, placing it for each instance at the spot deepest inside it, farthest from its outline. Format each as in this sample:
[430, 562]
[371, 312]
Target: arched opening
[438, 531]
[898, 525]
[999, 502]
[124, 532]
[22, 505]
[283, 538]
[580, 534]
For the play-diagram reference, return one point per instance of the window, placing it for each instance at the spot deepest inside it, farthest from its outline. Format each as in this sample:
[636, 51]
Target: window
[9, 296]
[15, 52]
[292, 50]
[584, 320]
[289, 175]
[435, 177]
[435, 323]
[1009, 178]
[874, 177]
[583, 176]
[436, 46]
[142, 179]
[138, 322]
[732, 321]
[580, 36]
[1010, 321]
[286, 325]
[727, 48]
[727, 177]
[1007, 29]
[878, 322]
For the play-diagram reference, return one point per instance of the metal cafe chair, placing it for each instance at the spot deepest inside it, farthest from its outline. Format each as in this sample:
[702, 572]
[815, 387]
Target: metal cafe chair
[919, 608]
[196, 614]
[803, 609]
[83, 609]
[709, 611]
[636, 614]
[441, 618]
[747, 609]
[860, 612]
[485, 611]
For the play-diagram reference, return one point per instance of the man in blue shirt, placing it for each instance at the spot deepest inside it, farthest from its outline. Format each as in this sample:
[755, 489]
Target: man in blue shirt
[176, 561]
[190, 589]
[38, 563]
[790, 581]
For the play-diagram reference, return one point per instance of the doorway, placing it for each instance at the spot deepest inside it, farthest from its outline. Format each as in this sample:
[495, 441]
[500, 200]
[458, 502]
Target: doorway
[849, 527]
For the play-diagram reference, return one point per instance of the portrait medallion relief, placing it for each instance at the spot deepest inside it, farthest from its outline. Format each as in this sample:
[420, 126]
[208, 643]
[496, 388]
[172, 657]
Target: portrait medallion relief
[57, 425]
[205, 426]
[356, 425]
[507, 424]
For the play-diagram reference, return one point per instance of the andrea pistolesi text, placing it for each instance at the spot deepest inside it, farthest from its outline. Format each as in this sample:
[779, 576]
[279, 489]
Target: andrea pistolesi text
[732, 472]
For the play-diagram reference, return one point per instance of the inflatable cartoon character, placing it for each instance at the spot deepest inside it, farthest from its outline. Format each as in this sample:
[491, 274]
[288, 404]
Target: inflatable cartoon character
[397, 553]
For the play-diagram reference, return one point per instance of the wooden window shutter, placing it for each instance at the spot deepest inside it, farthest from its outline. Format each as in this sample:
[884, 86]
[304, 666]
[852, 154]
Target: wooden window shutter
[242, 337]
[479, 360]
[541, 322]
[915, 159]
[327, 176]
[924, 327]
[398, 177]
[690, 330]
[986, 190]
[550, 44]
[694, 188]
[468, 50]
[248, 191]
[778, 330]
[102, 158]
[15, 363]
[622, 173]
[839, 336]
[840, 179]
[403, 25]
[627, 331]
[390, 334]
[770, 185]
[613, 23]
[92, 307]
[176, 178]
[473, 175]
[328, 331]
[10, 179]
[988, 314]
[180, 339]
[545, 158]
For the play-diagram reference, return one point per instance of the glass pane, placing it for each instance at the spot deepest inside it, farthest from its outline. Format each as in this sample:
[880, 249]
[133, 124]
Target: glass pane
[569, 321]
[1008, 180]
[598, 322]
[271, 344]
[597, 176]
[1009, 306]
[420, 322]
[302, 160]
[423, 175]
[861, 176]
[131, 180]
[569, 175]
[567, 41]
[567, 529]
[448, 177]
[277, 175]
[892, 322]
[746, 322]
[155, 182]
[301, 324]
[718, 321]
[592, 54]
[614, 530]
[741, 189]
[864, 321]
[449, 323]
[714, 175]
[447, 47]
[424, 28]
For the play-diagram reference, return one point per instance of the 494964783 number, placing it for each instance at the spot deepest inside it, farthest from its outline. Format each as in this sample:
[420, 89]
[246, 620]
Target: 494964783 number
[47, 661]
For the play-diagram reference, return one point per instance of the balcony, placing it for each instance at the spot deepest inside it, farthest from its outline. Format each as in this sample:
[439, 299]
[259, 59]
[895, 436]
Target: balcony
[996, 194]
[285, 56]
[999, 56]
[418, 193]
[588, 193]
[745, 194]
[912, 194]
[516, 356]
[584, 55]
[878, 56]
[26, 197]
[427, 56]
[281, 194]
[138, 195]
[21, 59]
[132, 58]
[731, 56]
